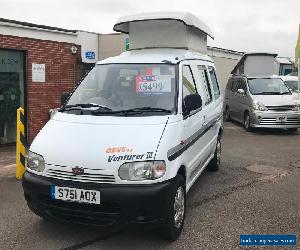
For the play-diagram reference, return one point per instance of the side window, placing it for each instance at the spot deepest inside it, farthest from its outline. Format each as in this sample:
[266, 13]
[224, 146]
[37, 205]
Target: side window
[234, 85]
[205, 84]
[242, 84]
[229, 83]
[188, 84]
[214, 81]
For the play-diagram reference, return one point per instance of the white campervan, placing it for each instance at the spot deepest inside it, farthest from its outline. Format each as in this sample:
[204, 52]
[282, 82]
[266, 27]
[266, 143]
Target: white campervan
[136, 132]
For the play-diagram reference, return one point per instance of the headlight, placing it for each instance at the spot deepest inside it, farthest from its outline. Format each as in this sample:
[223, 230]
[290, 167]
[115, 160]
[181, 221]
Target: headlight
[143, 170]
[296, 107]
[259, 106]
[35, 162]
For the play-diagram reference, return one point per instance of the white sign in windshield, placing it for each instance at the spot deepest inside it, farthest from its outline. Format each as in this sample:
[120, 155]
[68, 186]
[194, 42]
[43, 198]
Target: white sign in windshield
[153, 84]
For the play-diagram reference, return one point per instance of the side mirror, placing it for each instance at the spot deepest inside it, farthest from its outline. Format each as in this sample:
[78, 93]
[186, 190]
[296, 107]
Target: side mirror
[241, 91]
[64, 98]
[192, 102]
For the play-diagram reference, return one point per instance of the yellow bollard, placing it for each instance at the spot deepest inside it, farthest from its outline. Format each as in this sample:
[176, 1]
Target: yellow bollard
[20, 144]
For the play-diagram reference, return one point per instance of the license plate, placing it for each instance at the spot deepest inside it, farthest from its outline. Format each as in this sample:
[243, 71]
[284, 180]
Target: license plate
[281, 119]
[75, 195]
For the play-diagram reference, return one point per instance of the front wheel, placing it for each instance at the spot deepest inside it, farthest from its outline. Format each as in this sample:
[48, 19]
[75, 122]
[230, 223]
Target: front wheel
[227, 114]
[176, 210]
[247, 123]
[215, 162]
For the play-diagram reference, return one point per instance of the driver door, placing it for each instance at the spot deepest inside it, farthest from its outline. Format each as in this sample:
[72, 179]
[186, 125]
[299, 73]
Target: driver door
[192, 124]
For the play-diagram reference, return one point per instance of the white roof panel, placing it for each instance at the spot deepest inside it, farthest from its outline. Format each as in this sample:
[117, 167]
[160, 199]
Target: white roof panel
[283, 60]
[187, 18]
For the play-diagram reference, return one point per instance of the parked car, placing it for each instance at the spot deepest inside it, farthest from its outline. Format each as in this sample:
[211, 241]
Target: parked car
[261, 102]
[292, 83]
[130, 141]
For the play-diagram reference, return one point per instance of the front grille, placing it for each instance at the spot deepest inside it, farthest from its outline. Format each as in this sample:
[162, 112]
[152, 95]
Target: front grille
[281, 108]
[65, 173]
[105, 214]
[273, 121]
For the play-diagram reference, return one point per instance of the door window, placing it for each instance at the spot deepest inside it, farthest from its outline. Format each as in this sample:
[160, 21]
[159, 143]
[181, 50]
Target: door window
[242, 85]
[214, 81]
[229, 84]
[188, 83]
[234, 86]
[205, 85]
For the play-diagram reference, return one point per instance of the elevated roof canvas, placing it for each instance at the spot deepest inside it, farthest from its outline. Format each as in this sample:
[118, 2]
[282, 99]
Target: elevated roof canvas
[156, 55]
[283, 60]
[187, 18]
[244, 57]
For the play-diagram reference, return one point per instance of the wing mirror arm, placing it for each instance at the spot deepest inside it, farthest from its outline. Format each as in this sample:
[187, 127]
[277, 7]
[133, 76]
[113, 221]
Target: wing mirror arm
[241, 92]
[64, 98]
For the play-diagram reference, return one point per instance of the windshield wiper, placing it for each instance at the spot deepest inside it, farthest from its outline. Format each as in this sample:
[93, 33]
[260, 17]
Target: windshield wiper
[148, 109]
[80, 106]
[132, 111]
[268, 93]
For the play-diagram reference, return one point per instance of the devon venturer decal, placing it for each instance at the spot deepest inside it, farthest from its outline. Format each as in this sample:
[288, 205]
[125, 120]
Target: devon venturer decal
[125, 154]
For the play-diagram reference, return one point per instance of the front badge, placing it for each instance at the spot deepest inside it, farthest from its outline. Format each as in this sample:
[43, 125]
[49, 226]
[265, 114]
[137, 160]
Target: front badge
[78, 171]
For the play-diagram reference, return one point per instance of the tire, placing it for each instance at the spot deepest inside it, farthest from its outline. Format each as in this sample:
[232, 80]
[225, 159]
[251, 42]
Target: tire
[214, 164]
[247, 122]
[172, 228]
[227, 114]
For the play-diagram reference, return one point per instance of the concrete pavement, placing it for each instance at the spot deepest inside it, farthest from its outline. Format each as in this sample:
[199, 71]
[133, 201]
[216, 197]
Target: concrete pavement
[220, 206]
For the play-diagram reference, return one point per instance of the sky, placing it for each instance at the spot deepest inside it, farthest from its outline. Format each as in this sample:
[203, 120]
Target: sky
[242, 25]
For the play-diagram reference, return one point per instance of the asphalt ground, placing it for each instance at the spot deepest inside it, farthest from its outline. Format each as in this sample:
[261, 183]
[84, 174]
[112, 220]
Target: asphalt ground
[220, 206]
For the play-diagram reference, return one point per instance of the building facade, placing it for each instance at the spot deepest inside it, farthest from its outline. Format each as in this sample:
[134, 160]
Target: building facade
[225, 60]
[38, 63]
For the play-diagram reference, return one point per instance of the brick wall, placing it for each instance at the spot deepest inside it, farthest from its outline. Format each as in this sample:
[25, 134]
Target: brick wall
[63, 71]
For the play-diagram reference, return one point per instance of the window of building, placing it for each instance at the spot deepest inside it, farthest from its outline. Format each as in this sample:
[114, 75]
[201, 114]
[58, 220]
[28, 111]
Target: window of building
[12, 89]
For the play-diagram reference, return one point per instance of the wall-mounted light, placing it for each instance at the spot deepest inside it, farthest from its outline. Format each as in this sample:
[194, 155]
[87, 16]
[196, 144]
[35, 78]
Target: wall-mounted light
[73, 49]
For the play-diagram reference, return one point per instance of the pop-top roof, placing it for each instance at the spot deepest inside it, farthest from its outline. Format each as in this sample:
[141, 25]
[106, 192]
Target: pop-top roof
[188, 19]
[246, 55]
[157, 55]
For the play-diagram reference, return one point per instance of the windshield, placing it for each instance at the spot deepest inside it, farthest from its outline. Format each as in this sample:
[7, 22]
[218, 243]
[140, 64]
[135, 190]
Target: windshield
[292, 85]
[119, 87]
[267, 86]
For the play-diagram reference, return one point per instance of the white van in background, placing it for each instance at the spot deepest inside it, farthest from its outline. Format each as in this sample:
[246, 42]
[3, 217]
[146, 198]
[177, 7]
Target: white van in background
[135, 134]
[261, 102]
[292, 83]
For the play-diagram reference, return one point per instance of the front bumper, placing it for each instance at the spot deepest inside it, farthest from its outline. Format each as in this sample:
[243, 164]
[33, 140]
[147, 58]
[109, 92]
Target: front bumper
[120, 204]
[268, 119]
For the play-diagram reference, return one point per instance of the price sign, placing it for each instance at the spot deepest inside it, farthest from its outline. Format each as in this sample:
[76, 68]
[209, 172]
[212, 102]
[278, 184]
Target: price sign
[153, 84]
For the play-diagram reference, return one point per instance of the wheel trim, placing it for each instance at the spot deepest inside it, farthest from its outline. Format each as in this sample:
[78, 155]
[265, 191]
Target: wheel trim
[227, 114]
[219, 151]
[247, 121]
[179, 207]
